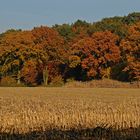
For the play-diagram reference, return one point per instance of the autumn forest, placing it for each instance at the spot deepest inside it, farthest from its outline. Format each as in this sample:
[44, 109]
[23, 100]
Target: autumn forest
[80, 51]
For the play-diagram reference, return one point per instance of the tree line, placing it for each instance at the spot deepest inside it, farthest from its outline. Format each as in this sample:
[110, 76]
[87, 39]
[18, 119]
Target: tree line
[81, 51]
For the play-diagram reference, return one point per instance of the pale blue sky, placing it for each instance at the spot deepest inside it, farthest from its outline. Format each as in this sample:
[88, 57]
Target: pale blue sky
[25, 14]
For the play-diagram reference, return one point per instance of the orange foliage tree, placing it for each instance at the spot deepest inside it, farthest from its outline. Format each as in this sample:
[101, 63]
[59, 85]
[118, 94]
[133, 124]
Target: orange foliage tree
[17, 48]
[130, 47]
[53, 44]
[29, 72]
[97, 54]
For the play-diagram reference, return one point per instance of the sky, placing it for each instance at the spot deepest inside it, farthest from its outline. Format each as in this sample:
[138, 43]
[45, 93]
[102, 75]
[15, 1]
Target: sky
[26, 14]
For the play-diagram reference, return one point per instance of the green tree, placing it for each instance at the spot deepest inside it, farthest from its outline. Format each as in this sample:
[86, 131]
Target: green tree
[115, 25]
[65, 31]
[132, 18]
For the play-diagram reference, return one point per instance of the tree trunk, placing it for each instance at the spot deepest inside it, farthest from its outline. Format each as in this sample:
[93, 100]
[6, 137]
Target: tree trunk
[138, 85]
[45, 76]
[18, 78]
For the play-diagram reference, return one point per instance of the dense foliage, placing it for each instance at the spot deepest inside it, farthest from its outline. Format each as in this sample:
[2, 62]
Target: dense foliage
[81, 51]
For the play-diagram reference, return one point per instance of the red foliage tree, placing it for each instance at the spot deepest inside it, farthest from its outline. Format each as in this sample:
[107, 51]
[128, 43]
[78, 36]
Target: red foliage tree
[97, 53]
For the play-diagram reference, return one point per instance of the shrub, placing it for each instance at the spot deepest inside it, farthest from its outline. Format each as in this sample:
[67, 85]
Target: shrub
[9, 81]
[57, 81]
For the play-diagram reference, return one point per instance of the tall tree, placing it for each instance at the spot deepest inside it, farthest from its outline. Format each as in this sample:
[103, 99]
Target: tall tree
[53, 44]
[115, 25]
[16, 49]
[14, 46]
[96, 54]
[132, 18]
[131, 52]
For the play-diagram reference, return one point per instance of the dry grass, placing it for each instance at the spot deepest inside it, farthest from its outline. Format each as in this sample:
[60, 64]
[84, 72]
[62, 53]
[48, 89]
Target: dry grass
[66, 113]
[105, 83]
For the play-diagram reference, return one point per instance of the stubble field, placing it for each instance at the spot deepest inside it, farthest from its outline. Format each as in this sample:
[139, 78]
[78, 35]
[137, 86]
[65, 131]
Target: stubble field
[69, 113]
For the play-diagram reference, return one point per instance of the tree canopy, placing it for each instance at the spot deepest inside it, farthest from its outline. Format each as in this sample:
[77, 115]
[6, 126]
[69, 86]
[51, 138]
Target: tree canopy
[109, 48]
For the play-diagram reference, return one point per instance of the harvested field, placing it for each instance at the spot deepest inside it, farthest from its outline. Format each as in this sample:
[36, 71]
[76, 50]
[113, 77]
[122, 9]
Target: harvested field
[69, 113]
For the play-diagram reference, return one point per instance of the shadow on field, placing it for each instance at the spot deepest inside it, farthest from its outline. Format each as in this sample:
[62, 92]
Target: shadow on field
[86, 134]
